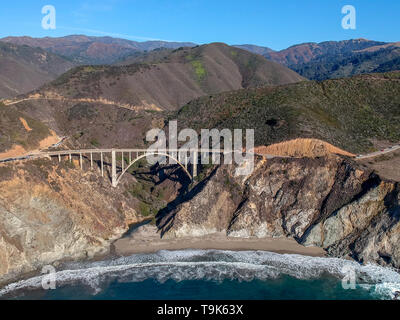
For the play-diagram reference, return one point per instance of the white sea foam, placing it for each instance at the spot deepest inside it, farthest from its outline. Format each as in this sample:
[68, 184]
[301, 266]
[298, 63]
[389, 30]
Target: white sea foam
[215, 265]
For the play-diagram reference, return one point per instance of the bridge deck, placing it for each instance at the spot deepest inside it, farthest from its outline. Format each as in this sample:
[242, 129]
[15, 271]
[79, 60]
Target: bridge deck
[144, 151]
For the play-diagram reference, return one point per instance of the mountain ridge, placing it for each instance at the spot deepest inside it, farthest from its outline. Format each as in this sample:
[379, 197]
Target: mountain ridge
[336, 59]
[180, 76]
[23, 68]
[93, 50]
[314, 61]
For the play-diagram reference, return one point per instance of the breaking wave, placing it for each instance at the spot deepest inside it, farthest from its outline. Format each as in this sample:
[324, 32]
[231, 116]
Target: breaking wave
[215, 265]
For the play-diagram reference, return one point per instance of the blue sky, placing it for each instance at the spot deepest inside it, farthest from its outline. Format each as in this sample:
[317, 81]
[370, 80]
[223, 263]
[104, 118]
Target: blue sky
[273, 23]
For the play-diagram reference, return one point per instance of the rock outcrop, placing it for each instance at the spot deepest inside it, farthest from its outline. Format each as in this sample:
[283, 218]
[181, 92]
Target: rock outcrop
[54, 212]
[329, 202]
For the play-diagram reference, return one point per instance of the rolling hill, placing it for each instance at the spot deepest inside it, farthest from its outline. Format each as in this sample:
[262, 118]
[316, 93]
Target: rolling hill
[111, 106]
[23, 68]
[264, 51]
[172, 79]
[314, 61]
[307, 52]
[19, 130]
[93, 50]
[335, 59]
[347, 113]
[384, 59]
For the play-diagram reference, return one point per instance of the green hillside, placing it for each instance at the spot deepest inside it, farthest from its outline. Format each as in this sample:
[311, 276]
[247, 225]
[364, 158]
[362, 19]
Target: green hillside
[338, 66]
[345, 112]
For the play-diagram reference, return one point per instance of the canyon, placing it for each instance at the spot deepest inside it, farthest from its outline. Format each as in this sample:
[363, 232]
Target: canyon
[314, 194]
[53, 212]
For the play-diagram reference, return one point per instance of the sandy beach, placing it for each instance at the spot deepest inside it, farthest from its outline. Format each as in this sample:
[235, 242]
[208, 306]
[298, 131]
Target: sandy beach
[146, 240]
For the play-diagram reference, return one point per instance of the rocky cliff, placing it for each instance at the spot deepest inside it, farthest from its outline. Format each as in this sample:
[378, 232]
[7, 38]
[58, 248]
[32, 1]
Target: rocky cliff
[51, 212]
[328, 201]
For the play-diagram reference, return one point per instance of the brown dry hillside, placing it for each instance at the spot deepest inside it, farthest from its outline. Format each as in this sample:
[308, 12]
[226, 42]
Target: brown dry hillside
[180, 76]
[83, 49]
[92, 124]
[302, 148]
[23, 68]
[307, 52]
[20, 133]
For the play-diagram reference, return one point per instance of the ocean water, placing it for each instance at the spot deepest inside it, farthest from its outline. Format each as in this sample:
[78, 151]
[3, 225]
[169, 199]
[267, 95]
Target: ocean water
[212, 274]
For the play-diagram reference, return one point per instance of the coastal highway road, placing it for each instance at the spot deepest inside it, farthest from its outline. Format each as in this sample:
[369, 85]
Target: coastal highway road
[359, 157]
[31, 155]
[378, 153]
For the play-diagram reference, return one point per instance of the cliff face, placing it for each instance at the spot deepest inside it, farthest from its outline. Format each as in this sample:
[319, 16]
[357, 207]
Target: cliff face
[53, 212]
[327, 202]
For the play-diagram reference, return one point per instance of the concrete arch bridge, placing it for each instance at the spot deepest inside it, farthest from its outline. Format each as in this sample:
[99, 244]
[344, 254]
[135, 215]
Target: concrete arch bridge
[182, 157]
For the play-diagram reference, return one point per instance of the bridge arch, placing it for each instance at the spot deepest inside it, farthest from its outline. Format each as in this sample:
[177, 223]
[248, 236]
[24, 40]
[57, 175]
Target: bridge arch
[118, 179]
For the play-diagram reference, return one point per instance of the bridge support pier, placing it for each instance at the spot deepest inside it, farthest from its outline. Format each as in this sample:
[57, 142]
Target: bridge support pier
[191, 156]
[195, 159]
[113, 169]
[186, 162]
[102, 164]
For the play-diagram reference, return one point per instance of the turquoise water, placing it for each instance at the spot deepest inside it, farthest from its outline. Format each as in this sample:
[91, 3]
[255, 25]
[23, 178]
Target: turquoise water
[212, 274]
[285, 288]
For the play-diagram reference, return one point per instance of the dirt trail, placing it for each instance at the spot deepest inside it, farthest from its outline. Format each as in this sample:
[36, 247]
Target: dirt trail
[144, 106]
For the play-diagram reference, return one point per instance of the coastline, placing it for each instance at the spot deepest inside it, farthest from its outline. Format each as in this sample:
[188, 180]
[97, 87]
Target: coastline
[125, 258]
[147, 240]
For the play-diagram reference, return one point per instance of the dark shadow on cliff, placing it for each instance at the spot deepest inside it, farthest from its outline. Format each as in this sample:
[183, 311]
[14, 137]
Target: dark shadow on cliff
[236, 214]
[165, 172]
[165, 217]
[392, 204]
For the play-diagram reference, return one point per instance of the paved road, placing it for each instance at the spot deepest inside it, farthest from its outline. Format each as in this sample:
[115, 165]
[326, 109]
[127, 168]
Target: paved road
[63, 152]
[378, 153]
[33, 155]
[46, 153]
